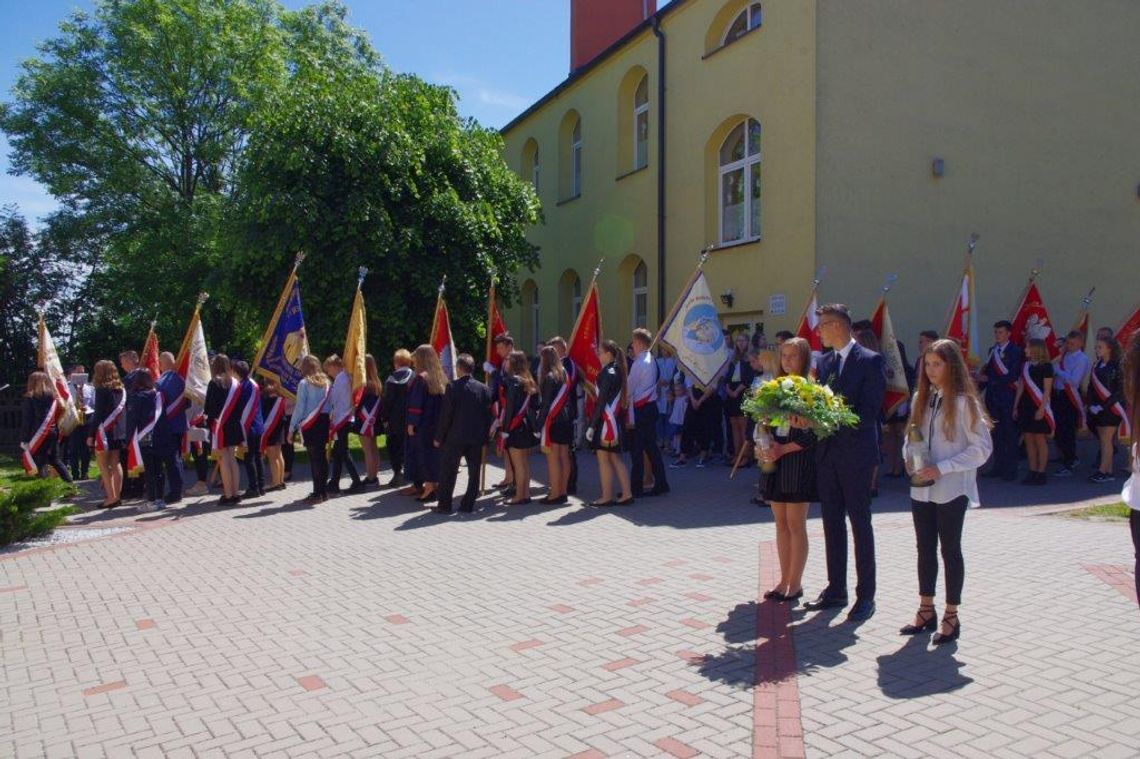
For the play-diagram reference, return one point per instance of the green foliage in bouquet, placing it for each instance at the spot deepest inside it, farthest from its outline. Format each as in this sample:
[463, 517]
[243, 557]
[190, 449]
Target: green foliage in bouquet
[776, 400]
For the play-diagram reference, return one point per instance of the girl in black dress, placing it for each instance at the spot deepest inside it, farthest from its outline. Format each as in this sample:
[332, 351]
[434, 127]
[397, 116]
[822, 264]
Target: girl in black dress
[739, 379]
[791, 488]
[1032, 410]
[368, 421]
[1106, 393]
[39, 434]
[425, 401]
[273, 438]
[554, 421]
[519, 422]
[607, 422]
[109, 430]
[225, 425]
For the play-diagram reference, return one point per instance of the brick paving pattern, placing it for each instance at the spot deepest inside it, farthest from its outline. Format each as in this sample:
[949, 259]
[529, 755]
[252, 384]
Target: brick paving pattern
[369, 627]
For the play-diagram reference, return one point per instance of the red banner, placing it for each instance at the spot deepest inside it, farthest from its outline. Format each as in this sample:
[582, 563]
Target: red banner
[586, 338]
[898, 391]
[809, 325]
[1130, 327]
[495, 327]
[1031, 320]
[149, 359]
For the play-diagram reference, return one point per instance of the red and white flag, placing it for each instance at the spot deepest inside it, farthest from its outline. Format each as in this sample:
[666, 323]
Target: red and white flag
[193, 362]
[149, 360]
[898, 392]
[1031, 321]
[586, 338]
[495, 327]
[1129, 328]
[809, 324]
[962, 324]
[441, 339]
[48, 360]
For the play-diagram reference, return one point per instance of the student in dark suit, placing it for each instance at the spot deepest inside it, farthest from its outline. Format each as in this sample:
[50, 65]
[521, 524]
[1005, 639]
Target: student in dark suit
[845, 462]
[168, 433]
[464, 424]
[559, 344]
[1000, 376]
[394, 414]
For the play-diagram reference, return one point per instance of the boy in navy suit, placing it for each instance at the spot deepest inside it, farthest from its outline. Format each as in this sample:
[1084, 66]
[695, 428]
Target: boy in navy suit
[1000, 375]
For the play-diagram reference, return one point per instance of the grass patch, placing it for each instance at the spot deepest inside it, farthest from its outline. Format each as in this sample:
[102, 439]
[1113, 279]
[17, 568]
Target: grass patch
[25, 502]
[1111, 512]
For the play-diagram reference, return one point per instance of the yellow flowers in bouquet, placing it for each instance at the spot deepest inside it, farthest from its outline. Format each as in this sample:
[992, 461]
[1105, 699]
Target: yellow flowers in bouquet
[775, 401]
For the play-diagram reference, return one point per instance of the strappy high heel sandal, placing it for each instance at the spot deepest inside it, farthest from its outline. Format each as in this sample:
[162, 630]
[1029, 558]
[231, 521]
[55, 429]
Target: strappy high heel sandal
[929, 619]
[952, 617]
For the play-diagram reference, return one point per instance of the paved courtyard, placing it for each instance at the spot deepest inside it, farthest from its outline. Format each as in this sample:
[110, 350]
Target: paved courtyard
[369, 627]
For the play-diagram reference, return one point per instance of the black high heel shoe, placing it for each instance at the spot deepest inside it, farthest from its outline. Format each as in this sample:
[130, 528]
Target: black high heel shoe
[773, 595]
[929, 621]
[792, 598]
[939, 638]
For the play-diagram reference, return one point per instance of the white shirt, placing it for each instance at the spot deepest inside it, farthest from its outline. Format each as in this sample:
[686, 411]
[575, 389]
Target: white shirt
[844, 352]
[340, 397]
[680, 406]
[1071, 370]
[1131, 492]
[642, 379]
[83, 395]
[957, 460]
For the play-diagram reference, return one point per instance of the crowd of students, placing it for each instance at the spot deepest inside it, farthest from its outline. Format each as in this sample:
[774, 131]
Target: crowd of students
[645, 406]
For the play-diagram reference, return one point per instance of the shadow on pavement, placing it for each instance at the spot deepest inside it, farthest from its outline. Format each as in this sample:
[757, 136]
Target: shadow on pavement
[914, 671]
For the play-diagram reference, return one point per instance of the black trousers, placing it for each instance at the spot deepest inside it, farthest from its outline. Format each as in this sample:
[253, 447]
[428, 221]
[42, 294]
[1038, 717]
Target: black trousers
[1066, 436]
[341, 458]
[845, 494]
[167, 463]
[287, 449]
[254, 468]
[1005, 435]
[396, 444]
[940, 525]
[472, 456]
[200, 452]
[316, 443]
[48, 455]
[1134, 523]
[78, 453]
[643, 442]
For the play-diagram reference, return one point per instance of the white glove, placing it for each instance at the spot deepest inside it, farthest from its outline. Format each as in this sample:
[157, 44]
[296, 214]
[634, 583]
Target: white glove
[23, 446]
[590, 435]
[1095, 409]
[488, 367]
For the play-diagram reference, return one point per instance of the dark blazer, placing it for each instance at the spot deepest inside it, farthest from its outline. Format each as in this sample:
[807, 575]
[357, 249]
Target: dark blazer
[35, 410]
[394, 400]
[1002, 388]
[862, 384]
[172, 387]
[466, 416]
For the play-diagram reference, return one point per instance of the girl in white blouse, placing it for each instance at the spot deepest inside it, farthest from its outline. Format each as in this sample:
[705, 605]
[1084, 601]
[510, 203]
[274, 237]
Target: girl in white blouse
[949, 438]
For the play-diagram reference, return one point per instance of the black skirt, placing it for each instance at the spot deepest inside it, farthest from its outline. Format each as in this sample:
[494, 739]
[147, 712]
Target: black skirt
[794, 480]
[615, 447]
[521, 437]
[1026, 412]
[561, 431]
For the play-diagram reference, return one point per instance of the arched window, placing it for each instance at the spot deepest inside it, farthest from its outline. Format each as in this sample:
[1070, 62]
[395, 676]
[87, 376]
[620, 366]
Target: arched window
[640, 295]
[641, 125]
[747, 20]
[575, 299]
[576, 159]
[534, 329]
[530, 166]
[739, 183]
[529, 300]
[535, 171]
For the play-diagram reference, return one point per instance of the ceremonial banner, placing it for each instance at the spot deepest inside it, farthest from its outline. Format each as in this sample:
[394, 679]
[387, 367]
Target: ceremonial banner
[694, 332]
[809, 324]
[898, 392]
[1031, 321]
[962, 324]
[48, 360]
[586, 338]
[1130, 327]
[149, 360]
[354, 345]
[495, 326]
[284, 343]
[441, 339]
[193, 362]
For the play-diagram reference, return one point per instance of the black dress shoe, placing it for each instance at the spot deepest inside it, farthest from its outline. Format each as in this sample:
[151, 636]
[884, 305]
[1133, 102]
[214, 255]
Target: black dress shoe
[824, 601]
[793, 599]
[356, 487]
[773, 595]
[659, 491]
[861, 611]
[251, 494]
[441, 510]
[625, 502]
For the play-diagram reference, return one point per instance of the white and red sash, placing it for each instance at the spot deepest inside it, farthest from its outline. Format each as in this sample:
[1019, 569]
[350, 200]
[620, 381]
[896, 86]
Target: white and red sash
[38, 439]
[135, 463]
[250, 411]
[368, 419]
[338, 424]
[102, 442]
[520, 415]
[218, 434]
[308, 422]
[610, 422]
[556, 406]
[1117, 408]
[276, 415]
[998, 365]
[1072, 392]
[1038, 396]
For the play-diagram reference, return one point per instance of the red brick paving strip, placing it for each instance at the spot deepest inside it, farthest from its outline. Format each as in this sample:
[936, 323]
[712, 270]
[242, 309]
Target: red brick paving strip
[605, 706]
[506, 692]
[13, 588]
[524, 645]
[145, 624]
[562, 608]
[590, 754]
[698, 596]
[105, 688]
[676, 748]
[684, 697]
[1117, 576]
[397, 619]
[696, 624]
[614, 666]
[626, 632]
[777, 729]
[641, 601]
[311, 682]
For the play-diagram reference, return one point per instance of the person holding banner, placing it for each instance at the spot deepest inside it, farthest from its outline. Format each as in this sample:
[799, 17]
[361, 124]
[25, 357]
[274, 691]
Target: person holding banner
[604, 433]
[109, 430]
[168, 433]
[999, 376]
[39, 434]
[253, 427]
[1069, 372]
[519, 426]
[273, 436]
[311, 417]
[556, 390]
[1033, 409]
[224, 418]
[642, 388]
[559, 344]
[367, 420]
[1106, 407]
[144, 414]
[504, 344]
[425, 400]
[1131, 492]
[341, 412]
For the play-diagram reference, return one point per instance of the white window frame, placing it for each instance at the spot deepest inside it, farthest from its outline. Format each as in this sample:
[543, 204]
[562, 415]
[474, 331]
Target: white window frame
[640, 110]
[575, 299]
[576, 159]
[640, 290]
[746, 163]
[747, 13]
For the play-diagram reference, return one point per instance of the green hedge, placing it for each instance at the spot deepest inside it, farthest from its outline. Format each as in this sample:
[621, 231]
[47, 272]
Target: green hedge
[23, 509]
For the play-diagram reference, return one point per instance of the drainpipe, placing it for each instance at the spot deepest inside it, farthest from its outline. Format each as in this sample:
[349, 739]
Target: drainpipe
[660, 167]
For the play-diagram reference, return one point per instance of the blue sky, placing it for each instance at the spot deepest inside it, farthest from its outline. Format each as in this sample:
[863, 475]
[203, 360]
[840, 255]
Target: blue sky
[500, 55]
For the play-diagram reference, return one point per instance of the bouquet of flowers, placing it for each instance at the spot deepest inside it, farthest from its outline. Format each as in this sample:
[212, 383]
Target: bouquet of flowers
[775, 401]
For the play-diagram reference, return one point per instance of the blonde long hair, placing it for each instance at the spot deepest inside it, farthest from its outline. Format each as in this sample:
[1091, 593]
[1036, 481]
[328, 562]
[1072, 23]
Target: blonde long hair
[372, 375]
[311, 370]
[106, 375]
[803, 351]
[426, 362]
[960, 384]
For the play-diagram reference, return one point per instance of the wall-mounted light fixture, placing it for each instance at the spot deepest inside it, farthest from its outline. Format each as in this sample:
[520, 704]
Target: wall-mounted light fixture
[937, 167]
[727, 298]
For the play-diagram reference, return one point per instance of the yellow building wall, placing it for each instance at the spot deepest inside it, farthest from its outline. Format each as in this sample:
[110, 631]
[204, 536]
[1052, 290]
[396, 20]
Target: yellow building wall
[769, 75]
[1034, 108]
